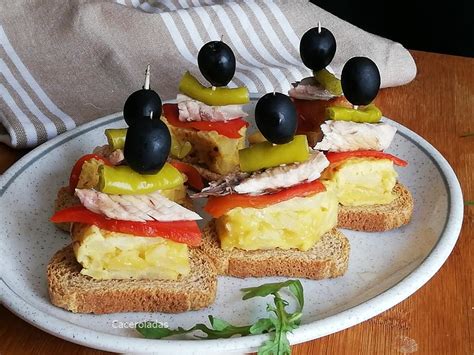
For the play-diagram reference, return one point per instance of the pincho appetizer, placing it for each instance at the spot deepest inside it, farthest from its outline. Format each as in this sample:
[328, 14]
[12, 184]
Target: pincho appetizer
[133, 247]
[274, 217]
[86, 173]
[209, 120]
[323, 89]
[360, 173]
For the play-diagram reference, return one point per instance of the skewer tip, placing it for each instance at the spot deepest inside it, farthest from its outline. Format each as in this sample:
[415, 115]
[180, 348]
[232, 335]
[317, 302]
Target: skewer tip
[146, 86]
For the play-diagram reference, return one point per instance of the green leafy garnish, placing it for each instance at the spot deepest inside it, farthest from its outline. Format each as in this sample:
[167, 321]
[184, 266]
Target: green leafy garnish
[278, 324]
[219, 329]
[469, 134]
[469, 203]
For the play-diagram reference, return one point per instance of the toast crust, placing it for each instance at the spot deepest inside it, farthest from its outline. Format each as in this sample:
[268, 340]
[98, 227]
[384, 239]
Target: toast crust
[65, 199]
[378, 218]
[327, 259]
[71, 290]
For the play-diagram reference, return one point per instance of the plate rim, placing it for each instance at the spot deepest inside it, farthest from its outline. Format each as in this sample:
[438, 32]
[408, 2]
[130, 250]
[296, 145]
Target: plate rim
[328, 325]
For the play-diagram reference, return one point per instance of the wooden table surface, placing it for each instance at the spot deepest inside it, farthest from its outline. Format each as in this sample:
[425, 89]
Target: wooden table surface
[438, 318]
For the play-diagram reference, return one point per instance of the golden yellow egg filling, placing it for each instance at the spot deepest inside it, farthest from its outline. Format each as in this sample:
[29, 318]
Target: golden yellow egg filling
[362, 181]
[297, 223]
[111, 255]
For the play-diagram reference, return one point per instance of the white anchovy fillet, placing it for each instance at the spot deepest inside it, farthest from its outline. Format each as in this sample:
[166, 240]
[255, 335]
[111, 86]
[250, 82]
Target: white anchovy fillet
[193, 110]
[137, 208]
[344, 136]
[115, 157]
[284, 176]
[103, 150]
[309, 89]
[223, 186]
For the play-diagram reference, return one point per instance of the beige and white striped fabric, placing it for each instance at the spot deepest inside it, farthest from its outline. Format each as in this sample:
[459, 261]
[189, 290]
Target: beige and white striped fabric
[63, 63]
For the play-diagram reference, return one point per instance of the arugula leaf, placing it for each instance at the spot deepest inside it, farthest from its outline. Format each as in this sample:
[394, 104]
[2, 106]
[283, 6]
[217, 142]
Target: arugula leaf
[270, 346]
[220, 329]
[281, 343]
[278, 325]
[469, 203]
[223, 329]
[295, 318]
[153, 330]
[218, 324]
[226, 332]
[263, 325]
[297, 289]
[267, 289]
[284, 322]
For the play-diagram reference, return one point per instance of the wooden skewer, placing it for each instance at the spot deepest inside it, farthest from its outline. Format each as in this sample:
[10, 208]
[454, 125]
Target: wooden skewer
[146, 86]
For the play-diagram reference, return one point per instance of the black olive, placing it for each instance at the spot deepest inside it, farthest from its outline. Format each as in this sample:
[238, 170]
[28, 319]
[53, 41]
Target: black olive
[147, 145]
[317, 48]
[217, 63]
[360, 80]
[275, 115]
[140, 104]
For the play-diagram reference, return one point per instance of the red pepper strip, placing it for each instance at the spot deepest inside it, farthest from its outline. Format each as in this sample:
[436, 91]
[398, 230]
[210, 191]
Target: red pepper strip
[229, 128]
[219, 205]
[186, 232]
[337, 157]
[76, 170]
[194, 178]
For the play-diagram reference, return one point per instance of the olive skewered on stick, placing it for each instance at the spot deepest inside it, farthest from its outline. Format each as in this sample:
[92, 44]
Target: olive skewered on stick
[140, 104]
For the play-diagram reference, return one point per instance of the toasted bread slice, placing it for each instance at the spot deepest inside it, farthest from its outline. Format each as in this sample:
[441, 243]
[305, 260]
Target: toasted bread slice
[378, 218]
[65, 199]
[71, 290]
[328, 258]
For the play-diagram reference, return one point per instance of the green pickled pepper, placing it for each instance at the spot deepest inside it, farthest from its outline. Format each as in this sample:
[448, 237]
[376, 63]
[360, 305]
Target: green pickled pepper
[116, 139]
[367, 114]
[122, 180]
[328, 81]
[267, 155]
[219, 96]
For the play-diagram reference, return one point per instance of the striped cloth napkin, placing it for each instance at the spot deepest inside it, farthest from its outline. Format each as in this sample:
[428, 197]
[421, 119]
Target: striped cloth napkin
[64, 63]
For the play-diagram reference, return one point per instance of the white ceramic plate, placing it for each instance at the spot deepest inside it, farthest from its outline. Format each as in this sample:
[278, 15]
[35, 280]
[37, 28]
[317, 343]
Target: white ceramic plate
[384, 268]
